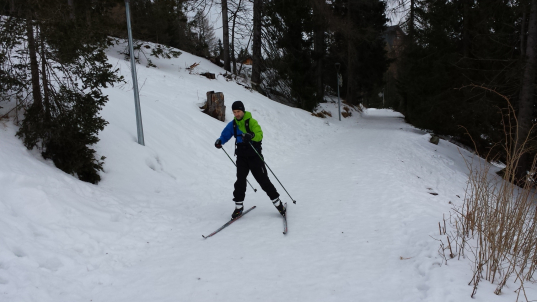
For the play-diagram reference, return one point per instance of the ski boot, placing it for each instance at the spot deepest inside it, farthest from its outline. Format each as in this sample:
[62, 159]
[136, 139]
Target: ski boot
[279, 206]
[238, 210]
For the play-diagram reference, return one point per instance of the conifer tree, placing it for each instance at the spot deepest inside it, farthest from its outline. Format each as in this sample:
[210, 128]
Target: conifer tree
[159, 21]
[289, 24]
[365, 56]
[62, 88]
[205, 39]
[304, 40]
[464, 55]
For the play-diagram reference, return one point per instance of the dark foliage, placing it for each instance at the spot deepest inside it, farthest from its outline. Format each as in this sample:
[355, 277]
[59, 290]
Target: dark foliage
[161, 21]
[61, 86]
[461, 61]
[290, 30]
[290, 23]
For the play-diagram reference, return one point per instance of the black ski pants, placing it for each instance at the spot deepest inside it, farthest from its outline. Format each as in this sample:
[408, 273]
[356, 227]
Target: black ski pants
[245, 164]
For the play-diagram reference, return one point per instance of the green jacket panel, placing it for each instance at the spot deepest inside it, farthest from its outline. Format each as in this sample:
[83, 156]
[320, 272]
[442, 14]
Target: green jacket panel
[253, 125]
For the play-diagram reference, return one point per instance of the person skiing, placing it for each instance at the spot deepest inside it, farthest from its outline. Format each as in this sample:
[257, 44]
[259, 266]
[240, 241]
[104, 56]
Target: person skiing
[248, 135]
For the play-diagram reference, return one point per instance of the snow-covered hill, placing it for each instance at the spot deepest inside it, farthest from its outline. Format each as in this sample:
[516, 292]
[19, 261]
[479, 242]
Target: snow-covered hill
[360, 231]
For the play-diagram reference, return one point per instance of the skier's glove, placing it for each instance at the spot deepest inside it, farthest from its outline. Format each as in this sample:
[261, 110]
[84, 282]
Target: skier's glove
[247, 137]
[218, 144]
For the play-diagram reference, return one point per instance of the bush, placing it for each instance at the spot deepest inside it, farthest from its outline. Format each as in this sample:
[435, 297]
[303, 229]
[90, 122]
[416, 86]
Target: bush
[496, 227]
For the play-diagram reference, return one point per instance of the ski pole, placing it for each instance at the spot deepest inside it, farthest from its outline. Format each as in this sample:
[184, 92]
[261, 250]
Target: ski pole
[294, 201]
[255, 190]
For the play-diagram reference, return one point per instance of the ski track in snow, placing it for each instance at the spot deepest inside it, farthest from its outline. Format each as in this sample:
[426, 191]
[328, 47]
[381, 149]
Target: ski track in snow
[360, 231]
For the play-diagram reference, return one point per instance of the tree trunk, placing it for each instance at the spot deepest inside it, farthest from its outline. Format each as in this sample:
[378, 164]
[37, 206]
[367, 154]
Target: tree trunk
[523, 34]
[256, 47]
[319, 50]
[71, 9]
[411, 21]
[349, 96]
[46, 92]
[350, 58]
[12, 7]
[525, 110]
[215, 105]
[44, 77]
[465, 30]
[225, 28]
[232, 48]
[234, 57]
[34, 66]
[89, 8]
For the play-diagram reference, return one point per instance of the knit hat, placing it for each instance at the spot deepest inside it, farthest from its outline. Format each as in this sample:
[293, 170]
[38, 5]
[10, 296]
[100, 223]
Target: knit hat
[238, 105]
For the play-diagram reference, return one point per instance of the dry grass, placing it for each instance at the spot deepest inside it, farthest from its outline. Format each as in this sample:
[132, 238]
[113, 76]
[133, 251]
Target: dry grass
[496, 227]
[346, 112]
[322, 114]
[354, 107]
[192, 67]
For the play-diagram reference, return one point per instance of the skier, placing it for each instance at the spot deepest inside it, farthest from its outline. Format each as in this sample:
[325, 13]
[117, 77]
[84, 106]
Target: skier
[248, 135]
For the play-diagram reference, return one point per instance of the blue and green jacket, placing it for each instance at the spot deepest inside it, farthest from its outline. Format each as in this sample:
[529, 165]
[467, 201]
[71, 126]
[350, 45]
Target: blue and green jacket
[236, 128]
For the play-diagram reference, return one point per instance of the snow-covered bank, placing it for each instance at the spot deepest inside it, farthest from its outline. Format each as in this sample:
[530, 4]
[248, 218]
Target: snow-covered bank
[360, 230]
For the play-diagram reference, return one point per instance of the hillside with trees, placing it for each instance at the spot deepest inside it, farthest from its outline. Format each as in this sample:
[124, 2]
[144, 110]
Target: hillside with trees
[462, 69]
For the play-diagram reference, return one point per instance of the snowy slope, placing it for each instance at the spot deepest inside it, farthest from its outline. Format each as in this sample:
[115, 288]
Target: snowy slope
[360, 231]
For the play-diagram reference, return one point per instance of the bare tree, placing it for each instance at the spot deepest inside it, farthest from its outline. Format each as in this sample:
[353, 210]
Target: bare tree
[240, 19]
[241, 28]
[234, 22]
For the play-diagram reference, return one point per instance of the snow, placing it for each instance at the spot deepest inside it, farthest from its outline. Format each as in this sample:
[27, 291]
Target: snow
[363, 228]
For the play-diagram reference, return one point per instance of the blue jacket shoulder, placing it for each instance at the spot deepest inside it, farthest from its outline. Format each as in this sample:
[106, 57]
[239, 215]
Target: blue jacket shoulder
[227, 133]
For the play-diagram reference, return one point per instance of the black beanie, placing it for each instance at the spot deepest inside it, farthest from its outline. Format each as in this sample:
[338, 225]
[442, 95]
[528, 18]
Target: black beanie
[238, 105]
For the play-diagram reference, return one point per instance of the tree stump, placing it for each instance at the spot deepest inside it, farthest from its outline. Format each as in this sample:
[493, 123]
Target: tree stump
[215, 105]
[208, 75]
[434, 139]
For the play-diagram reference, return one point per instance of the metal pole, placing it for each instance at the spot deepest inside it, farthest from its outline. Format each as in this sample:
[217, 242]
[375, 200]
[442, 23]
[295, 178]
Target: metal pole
[338, 99]
[139, 126]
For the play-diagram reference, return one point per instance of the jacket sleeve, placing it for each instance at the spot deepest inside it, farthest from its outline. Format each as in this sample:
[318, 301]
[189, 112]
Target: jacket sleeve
[227, 133]
[256, 129]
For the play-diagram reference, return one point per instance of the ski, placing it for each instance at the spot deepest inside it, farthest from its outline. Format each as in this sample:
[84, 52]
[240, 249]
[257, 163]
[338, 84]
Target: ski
[228, 223]
[285, 219]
